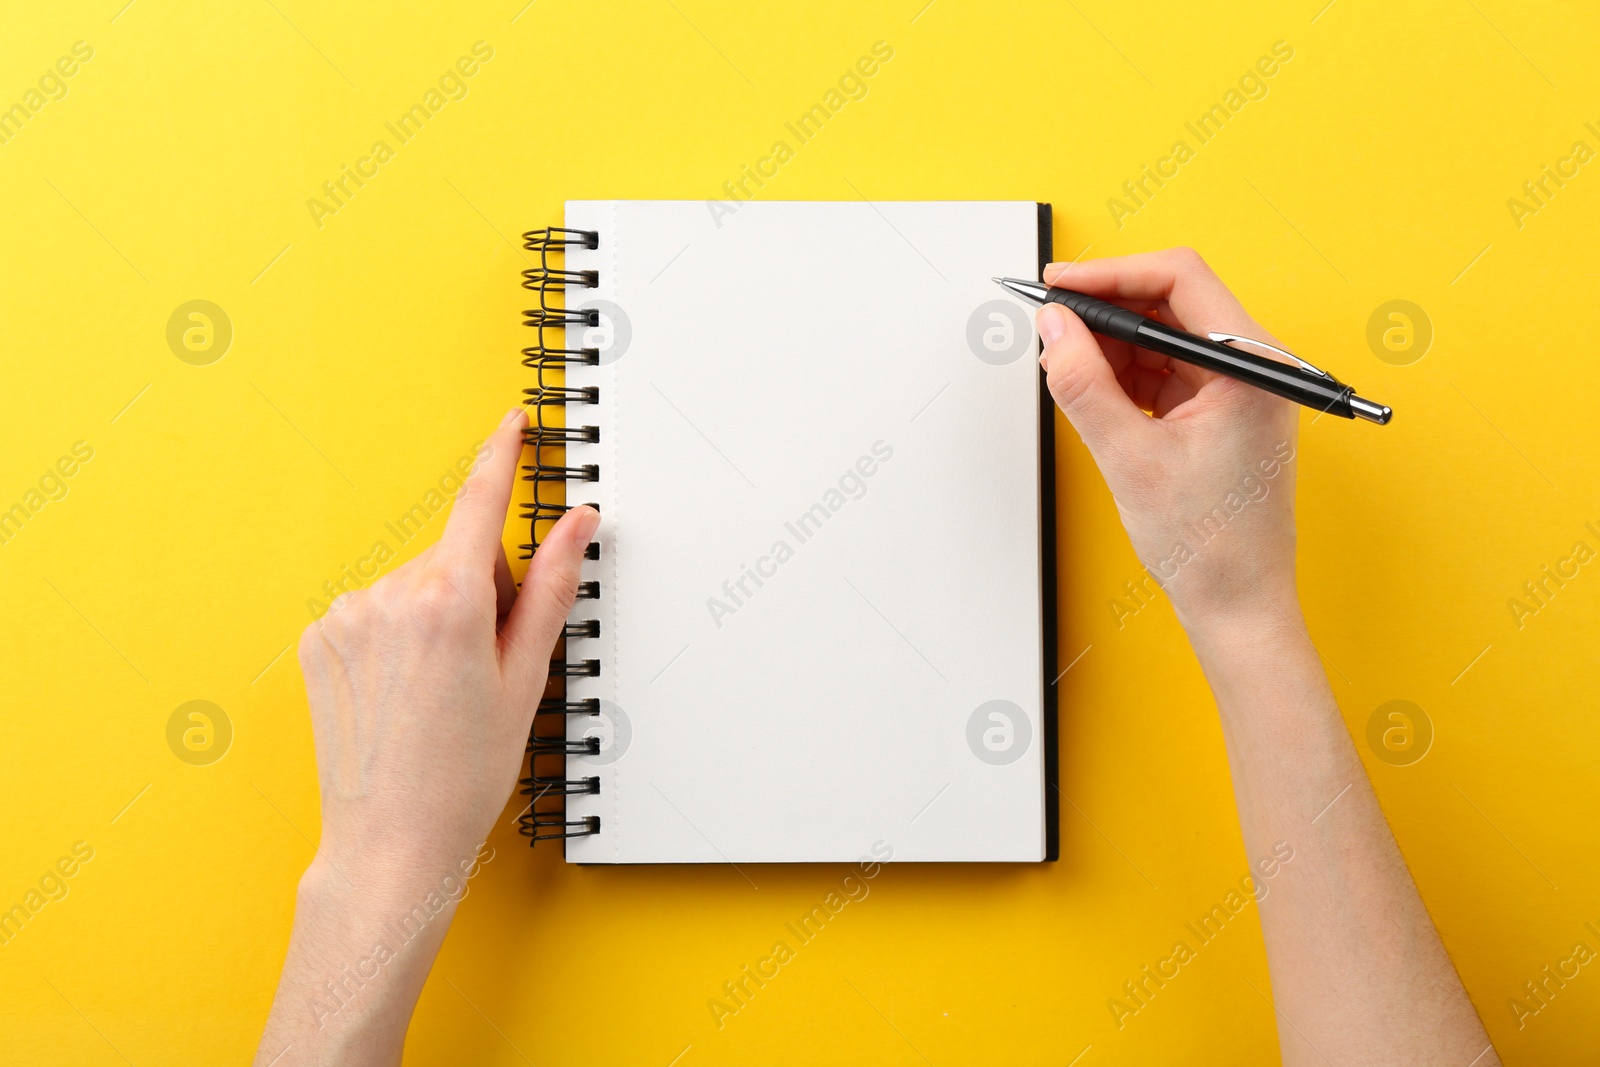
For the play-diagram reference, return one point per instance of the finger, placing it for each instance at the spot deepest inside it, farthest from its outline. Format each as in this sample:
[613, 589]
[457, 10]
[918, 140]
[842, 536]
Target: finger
[1181, 287]
[547, 595]
[1120, 354]
[472, 534]
[1147, 277]
[505, 587]
[1084, 385]
[1148, 308]
[1198, 298]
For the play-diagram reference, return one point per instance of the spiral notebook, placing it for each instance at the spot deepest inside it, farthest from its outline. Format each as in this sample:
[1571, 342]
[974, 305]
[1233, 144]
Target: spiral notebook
[816, 623]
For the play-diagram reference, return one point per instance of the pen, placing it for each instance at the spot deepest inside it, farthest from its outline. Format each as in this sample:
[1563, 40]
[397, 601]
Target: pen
[1298, 381]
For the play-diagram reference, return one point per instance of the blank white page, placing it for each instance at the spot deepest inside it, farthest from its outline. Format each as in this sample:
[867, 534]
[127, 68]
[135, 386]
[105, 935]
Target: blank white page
[820, 536]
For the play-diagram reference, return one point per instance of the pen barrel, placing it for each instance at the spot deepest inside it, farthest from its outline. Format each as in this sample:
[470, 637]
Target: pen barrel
[1103, 318]
[1287, 380]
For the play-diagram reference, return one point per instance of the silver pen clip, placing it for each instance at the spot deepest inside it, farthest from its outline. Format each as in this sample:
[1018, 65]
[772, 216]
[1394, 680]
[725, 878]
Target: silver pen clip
[1235, 339]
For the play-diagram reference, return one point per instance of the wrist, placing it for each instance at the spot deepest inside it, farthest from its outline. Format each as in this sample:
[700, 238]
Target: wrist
[1262, 664]
[357, 925]
[395, 861]
[1248, 636]
[378, 887]
[1261, 610]
[359, 955]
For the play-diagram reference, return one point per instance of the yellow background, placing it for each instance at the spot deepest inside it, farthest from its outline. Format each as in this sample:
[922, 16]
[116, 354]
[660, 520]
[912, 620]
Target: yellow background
[370, 353]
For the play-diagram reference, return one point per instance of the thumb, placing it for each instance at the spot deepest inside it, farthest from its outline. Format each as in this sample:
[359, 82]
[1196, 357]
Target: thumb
[547, 595]
[1085, 387]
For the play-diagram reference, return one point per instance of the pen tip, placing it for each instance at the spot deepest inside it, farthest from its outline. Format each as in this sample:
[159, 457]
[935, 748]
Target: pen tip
[1372, 412]
[1031, 292]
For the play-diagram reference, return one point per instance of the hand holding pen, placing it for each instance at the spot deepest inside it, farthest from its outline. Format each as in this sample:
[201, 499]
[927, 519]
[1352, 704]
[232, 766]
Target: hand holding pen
[1219, 351]
[1205, 489]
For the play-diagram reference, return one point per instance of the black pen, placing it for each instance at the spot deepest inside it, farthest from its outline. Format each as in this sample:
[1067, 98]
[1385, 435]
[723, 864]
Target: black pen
[1298, 381]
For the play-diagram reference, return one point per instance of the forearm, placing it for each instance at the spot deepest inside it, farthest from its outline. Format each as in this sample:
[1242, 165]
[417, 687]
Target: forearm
[1359, 974]
[358, 957]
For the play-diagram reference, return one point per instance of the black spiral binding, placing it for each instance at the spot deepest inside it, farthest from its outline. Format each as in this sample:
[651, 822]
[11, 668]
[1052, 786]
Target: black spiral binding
[545, 823]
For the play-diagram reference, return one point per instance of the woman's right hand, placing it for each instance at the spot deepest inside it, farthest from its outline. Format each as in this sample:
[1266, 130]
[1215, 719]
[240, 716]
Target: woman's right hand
[1205, 488]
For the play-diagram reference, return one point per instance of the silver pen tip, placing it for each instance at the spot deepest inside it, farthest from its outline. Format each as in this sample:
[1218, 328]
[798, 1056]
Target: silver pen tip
[1366, 409]
[1032, 292]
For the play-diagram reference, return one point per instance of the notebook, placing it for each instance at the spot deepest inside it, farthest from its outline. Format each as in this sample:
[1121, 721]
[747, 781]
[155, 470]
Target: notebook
[816, 623]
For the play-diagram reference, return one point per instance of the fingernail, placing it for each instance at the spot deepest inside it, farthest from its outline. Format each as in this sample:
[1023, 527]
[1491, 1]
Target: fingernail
[516, 414]
[584, 526]
[1052, 267]
[1051, 323]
